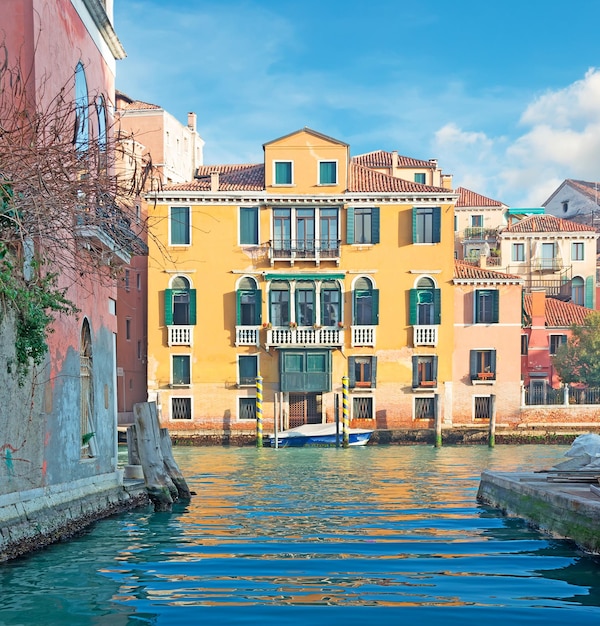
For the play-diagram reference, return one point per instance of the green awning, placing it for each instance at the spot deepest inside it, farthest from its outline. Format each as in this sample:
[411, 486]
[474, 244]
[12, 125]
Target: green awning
[530, 211]
[305, 276]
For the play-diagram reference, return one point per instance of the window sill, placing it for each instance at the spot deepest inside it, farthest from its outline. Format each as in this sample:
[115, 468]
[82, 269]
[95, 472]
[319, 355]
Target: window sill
[361, 390]
[487, 381]
[246, 385]
[425, 389]
[180, 385]
[284, 185]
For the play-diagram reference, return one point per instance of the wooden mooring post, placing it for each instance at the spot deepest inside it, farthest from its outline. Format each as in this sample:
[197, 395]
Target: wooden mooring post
[164, 481]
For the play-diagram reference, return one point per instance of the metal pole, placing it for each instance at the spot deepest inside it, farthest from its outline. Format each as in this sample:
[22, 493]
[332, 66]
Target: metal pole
[259, 412]
[437, 423]
[346, 434]
[276, 417]
[337, 420]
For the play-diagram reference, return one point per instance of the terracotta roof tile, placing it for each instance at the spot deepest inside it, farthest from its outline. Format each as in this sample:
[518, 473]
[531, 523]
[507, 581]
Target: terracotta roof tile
[381, 158]
[138, 105]
[559, 314]
[546, 224]
[247, 177]
[464, 270]
[364, 179]
[469, 198]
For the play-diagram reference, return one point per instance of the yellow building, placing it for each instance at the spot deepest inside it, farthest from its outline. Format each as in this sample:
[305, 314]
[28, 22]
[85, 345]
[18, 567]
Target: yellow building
[303, 269]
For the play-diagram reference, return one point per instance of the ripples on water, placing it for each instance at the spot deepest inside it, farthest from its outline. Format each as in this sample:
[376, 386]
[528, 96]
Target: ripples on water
[315, 536]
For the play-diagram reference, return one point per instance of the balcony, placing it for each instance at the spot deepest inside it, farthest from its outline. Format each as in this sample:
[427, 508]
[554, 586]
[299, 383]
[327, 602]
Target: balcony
[180, 335]
[363, 335]
[246, 335]
[478, 233]
[316, 250]
[425, 335]
[548, 265]
[322, 337]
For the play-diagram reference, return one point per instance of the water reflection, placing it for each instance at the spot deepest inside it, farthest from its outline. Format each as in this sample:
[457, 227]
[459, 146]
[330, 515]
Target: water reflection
[320, 530]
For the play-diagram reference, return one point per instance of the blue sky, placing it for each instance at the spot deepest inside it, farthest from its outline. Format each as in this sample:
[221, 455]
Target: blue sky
[506, 95]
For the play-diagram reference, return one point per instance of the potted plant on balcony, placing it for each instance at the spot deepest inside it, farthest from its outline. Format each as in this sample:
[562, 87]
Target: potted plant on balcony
[340, 324]
[316, 326]
[266, 325]
[293, 324]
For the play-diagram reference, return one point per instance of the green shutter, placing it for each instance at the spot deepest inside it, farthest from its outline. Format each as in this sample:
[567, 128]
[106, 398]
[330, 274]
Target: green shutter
[434, 369]
[496, 304]
[238, 307]
[436, 236]
[375, 225]
[415, 371]
[412, 307]
[590, 287]
[476, 307]
[493, 362]
[437, 306]
[351, 372]
[192, 307]
[249, 226]
[373, 371]
[414, 225]
[168, 307]
[473, 364]
[350, 225]
[375, 306]
[257, 306]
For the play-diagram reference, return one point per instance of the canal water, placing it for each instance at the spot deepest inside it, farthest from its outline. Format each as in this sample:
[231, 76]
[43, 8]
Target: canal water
[375, 535]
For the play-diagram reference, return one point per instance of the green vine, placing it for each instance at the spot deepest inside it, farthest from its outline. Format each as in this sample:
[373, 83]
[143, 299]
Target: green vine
[35, 304]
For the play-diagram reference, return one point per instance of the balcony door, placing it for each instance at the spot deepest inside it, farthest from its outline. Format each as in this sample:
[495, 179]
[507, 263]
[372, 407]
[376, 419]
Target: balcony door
[305, 232]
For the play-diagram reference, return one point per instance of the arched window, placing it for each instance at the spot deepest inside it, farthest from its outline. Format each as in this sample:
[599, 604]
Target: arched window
[424, 303]
[102, 138]
[279, 303]
[305, 303]
[82, 123]
[366, 303]
[180, 303]
[249, 300]
[86, 407]
[331, 312]
[578, 291]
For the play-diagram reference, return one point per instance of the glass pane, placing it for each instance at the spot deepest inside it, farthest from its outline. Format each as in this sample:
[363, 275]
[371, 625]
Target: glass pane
[247, 370]
[362, 226]
[327, 172]
[249, 226]
[364, 308]
[247, 308]
[180, 225]
[283, 173]
[280, 308]
[330, 307]
[181, 370]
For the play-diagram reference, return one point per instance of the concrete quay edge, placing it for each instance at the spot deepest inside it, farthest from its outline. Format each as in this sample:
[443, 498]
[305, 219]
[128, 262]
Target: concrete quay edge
[567, 510]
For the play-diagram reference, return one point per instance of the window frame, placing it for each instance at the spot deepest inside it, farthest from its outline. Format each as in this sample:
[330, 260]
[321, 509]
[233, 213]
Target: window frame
[250, 400]
[420, 178]
[518, 252]
[480, 313]
[244, 381]
[555, 341]
[524, 344]
[374, 228]
[373, 294]
[431, 399]
[423, 233]
[290, 173]
[244, 238]
[188, 236]
[422, 382]
[335, 164]
[365, 382]
[577, 251]
[367, 399]
[182, 358]
[189, 400]
[478, 359]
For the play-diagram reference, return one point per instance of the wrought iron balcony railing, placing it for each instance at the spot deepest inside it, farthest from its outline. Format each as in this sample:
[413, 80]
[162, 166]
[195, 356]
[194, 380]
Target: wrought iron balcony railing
[304, 250]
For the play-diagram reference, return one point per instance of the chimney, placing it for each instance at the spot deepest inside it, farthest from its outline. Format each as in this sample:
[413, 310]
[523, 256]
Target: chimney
[394, 161]
[192, 122]
[483, 260]
[447, 181]
[214, 181]
[433, 163]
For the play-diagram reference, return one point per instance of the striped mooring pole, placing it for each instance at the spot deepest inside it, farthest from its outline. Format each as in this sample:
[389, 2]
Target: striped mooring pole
[259, 411]
[345, 420]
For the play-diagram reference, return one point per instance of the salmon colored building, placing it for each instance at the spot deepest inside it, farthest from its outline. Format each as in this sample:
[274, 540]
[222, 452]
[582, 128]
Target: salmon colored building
[304, 269]
[487, 335]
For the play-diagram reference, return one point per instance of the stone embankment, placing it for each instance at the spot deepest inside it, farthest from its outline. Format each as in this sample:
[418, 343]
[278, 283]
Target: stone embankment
[36, 518]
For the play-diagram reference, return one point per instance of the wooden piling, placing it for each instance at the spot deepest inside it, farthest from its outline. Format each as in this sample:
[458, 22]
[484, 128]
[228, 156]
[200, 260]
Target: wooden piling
[183, 491]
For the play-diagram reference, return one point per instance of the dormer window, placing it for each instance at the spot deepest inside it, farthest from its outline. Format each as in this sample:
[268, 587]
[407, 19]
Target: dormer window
[327, 172]
[283, 173]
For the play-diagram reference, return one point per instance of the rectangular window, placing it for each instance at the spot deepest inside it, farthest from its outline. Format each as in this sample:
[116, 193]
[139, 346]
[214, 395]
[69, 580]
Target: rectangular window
[486, 306]
[420, 178]
[577, 251]
[282, 231]
[518, 252]
[424, 371]
[425, 407]
[247, 369]
[482, 407]
[181, 408]
[139, 350]
[524, 345]
[426, 225]
[362, 371]
[249, 226]
[362, 408]
[179, 226]
[138, 281]
[128, 329]
[556, 341]
[330, 307]
[283, 173]
[477, 221]
[327, 172]
[483, 365]
[247, 408]
[181, 369]
[127, 277]
[362, 225]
